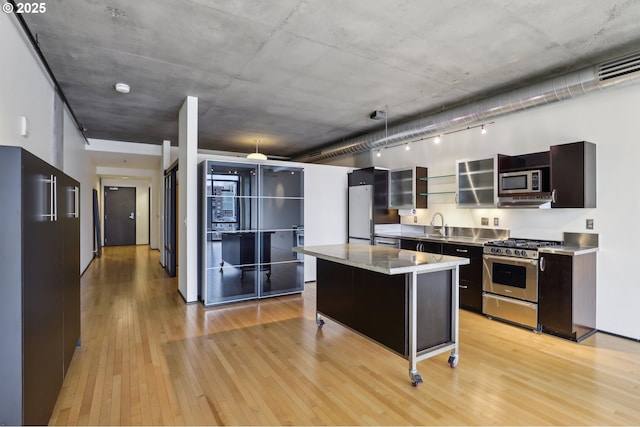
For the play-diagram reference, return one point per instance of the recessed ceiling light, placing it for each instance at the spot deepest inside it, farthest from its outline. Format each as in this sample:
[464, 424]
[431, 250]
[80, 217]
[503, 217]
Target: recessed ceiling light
[122, 88]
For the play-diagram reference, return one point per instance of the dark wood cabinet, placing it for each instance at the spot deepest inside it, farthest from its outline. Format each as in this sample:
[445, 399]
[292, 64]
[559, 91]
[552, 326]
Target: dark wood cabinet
[361, 177]
[376, 304]
[567, 295]
[421, 246]
[40, 289]
[573, 175]
[470, 276]
[523, 162]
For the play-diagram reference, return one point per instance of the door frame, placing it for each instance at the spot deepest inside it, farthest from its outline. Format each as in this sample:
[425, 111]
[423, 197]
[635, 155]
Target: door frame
[135, 211]
[170, 212]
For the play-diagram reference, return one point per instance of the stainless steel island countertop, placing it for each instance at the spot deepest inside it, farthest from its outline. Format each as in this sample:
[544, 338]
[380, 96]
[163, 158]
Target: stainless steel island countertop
[382, 259]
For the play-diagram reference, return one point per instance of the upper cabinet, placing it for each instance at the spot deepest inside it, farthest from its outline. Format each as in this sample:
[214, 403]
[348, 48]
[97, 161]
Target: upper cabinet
[476, 183]
[408, 188]
[573, 175]
[563, 177]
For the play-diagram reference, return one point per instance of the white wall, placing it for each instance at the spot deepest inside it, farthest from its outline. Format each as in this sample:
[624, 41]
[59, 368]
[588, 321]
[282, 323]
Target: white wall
[608, 119]
[78, 165]
[325, 209]
[26, 90]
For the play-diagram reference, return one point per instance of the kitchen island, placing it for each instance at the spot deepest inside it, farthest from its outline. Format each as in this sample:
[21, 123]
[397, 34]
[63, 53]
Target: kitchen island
[404, 300]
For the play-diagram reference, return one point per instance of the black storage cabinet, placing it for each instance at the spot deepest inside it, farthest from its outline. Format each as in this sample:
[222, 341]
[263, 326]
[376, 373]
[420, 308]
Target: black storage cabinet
[40, 284]
[470, 280]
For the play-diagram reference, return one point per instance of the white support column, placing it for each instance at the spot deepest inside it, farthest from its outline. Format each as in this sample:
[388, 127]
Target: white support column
[166, 155]
[187, 200]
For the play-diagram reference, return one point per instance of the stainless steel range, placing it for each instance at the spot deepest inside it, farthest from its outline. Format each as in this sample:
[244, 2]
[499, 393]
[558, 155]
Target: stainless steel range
[510, 280]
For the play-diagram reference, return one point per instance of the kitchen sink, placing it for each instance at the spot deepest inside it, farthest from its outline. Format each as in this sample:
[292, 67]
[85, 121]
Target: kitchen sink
[435, 236]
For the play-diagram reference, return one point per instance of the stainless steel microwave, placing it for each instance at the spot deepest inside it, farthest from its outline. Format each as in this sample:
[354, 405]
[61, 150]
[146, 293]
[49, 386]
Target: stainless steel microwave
[529, 181]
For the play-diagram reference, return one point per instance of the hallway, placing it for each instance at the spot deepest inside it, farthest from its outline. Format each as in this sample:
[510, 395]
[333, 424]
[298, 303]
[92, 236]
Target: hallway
[147, 358]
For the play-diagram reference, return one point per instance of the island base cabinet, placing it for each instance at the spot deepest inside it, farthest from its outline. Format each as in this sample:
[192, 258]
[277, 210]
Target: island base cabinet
[376, 305]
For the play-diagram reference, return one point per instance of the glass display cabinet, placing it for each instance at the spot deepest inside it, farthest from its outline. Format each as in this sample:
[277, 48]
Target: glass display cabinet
[252, 216]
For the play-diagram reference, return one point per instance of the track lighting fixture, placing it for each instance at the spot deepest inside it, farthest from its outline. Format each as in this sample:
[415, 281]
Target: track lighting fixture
[436, 139]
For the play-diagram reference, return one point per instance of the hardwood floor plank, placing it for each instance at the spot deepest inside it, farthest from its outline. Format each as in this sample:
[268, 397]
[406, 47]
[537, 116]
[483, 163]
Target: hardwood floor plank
[147, 358]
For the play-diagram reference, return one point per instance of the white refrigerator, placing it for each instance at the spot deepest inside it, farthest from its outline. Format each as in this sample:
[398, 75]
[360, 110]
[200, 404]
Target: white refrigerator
[361, 227]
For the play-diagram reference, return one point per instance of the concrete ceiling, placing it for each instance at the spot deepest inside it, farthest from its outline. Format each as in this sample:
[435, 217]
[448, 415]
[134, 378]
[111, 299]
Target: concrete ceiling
[302, 74]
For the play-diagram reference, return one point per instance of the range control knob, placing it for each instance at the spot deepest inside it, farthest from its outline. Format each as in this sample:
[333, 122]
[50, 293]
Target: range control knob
[508, 251]
[516, 252]
[523, 253]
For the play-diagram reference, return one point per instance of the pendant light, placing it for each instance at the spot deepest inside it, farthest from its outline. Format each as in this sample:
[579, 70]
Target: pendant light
[257, 155]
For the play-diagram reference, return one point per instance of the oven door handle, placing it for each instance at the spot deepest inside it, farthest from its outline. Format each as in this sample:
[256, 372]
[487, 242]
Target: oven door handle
[510, 260]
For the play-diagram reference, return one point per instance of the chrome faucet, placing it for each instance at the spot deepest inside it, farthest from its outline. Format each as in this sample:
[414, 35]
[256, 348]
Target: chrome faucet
[443, 230]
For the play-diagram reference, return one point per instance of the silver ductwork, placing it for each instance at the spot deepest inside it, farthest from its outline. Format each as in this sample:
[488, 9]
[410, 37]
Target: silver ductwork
[616, 72]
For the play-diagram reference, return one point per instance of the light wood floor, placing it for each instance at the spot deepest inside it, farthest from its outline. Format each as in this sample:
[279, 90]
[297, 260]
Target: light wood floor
[148, 358]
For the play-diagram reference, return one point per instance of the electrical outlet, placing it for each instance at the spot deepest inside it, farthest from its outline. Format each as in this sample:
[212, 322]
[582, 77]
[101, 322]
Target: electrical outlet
[484, 221]
[589, 224]
[415, 219]
[496, 221]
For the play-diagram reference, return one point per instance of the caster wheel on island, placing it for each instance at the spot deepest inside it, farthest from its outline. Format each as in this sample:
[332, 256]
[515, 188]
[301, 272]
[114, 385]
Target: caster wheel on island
[416, 380]
[453, 361]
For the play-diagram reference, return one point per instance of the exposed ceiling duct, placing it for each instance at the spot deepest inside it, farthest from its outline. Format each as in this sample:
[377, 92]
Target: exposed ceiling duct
[615, 72]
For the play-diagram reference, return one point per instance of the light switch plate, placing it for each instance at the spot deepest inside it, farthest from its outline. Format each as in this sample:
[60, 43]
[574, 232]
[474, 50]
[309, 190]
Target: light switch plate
[496, 221]
[484, 220]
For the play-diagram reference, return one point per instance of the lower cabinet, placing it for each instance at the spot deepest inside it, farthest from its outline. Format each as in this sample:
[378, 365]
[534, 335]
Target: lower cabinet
[567, 295]
[376, 304]
[470, 279]
[421, 246]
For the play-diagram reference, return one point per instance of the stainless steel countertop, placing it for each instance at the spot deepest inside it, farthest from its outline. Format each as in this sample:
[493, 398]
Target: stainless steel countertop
[383, 259]
[464, 240]
[480, 241]
[567, 250]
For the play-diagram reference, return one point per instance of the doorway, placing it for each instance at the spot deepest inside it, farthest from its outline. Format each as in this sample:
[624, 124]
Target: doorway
[170, 218]
[119, 216]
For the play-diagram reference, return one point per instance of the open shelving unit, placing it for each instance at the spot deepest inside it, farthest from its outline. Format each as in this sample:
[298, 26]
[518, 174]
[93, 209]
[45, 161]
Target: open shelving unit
[439, 179]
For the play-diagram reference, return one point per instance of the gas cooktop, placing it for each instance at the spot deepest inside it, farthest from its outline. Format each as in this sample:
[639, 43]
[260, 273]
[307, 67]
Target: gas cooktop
[521, 248]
